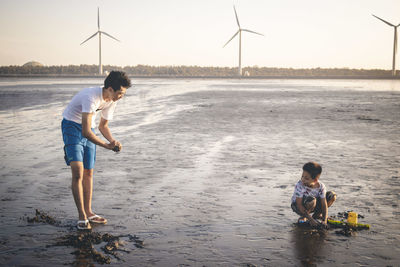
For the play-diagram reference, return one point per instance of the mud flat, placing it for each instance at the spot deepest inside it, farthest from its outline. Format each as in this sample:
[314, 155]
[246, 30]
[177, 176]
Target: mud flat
[206, 173]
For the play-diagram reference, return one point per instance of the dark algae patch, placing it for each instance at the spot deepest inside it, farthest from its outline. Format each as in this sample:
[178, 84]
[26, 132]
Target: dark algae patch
[345, 214]
[110, 245]
[90, 245]
[345, 228]
[42, 217]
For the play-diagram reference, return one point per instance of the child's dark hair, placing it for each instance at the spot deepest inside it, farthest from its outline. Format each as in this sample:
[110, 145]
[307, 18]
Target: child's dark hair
[313, 168]
[116, 79]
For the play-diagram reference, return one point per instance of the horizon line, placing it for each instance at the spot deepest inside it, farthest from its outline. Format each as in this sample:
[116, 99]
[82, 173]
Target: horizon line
[198, 66]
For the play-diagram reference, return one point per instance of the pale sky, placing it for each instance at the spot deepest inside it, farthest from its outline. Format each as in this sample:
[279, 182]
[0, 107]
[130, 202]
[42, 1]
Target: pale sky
[298, 34]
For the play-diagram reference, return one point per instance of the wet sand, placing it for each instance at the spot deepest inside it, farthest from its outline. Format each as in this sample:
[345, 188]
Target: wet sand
[207, 171]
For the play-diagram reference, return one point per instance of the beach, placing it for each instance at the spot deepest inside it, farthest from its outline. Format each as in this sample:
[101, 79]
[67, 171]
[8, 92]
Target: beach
[207, 171]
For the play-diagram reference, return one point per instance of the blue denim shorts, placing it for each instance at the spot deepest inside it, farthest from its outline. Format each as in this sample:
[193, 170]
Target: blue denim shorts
[77, 147]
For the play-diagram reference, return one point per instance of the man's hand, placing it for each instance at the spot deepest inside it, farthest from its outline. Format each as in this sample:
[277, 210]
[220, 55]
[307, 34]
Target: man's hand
[115, 146]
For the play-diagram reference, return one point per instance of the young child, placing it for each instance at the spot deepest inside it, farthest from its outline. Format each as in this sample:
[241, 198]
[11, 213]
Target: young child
[310, 196]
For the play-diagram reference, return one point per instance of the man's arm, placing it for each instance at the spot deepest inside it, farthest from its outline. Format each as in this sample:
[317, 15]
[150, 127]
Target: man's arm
[105, 131]
[87, 132]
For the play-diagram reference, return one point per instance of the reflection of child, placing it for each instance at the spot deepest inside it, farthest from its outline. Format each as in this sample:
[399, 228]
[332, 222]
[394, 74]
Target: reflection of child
[310, 196]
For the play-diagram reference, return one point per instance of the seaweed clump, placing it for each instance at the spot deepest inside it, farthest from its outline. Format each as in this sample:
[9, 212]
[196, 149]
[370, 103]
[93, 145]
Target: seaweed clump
[347, 229]
[345, 214]
[42, 217]
[85, 243]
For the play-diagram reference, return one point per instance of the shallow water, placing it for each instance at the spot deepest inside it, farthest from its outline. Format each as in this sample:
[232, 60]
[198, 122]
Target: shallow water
[207, 171]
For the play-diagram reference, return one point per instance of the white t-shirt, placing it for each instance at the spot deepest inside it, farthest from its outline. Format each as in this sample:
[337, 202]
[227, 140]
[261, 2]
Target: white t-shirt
[89, 100]
[301, 190]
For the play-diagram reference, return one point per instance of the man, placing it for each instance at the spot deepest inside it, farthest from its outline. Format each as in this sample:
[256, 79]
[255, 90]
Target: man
[80, 139]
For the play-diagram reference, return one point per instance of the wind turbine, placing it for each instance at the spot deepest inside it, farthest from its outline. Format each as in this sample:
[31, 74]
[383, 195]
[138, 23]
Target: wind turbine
[394, 44]
[240, 41]
[99, 32]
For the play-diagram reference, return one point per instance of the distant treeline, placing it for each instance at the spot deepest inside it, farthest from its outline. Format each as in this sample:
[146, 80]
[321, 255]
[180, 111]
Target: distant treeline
[194, 71]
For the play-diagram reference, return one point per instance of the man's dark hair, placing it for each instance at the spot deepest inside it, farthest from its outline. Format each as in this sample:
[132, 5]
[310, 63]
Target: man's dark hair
[313, 168]
[116, 79]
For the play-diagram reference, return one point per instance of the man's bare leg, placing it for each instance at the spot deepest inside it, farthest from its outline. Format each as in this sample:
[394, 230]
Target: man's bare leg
[88, 191]
[88, 194]
[77, 187]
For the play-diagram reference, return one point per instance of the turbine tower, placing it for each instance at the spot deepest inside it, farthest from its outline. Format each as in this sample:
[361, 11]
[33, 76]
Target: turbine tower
[240, 41]
[394, 44]
[99, 32]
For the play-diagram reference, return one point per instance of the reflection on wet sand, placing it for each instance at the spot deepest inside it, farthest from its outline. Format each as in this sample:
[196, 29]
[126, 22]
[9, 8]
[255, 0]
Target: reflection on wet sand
[309, 245]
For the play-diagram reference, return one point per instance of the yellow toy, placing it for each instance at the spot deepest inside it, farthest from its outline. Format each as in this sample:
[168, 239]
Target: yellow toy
[350, 224]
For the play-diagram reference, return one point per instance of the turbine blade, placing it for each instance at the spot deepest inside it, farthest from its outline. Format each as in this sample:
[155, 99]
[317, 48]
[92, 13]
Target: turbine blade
[237, 19]
[110, 36]
[388, 23]
[98, 19]
[231, 38]
[89, 38]
[252, 32]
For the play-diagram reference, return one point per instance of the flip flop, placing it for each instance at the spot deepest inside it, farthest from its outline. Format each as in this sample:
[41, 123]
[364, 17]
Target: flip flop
[97, 219]
[83, 225]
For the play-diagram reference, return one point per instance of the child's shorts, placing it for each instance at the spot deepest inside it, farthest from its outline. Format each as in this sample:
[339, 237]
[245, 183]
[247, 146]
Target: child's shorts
[77, 147]
[306, 199]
